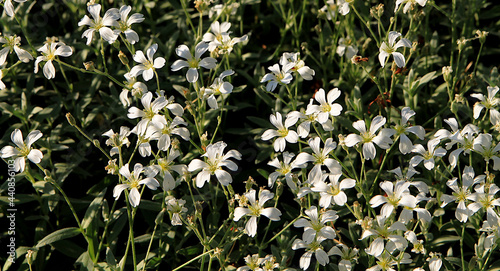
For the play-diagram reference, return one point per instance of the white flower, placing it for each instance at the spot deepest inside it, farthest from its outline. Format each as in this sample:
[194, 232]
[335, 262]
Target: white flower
[124, 25]
[166, 166]
[435, 261]
[483, 145]
[315, 224]
[176, 208]
[277, 76]
[418, 245]
[489, 103]
[23, 149]
[346, 47]
[193, 63]
[137, 89]
[284, 168]
[117, 140]
[255, 209]
[427, 156]
[298, 65]
[134, 181]
[283, 133]
[347, 255]
[214, 39]
[320, 157]
[344, 6]
[405, 144]
[162, 129]
[149, 65]
[465, 141]
[386, 50]
[228, 43]
[9, 8]
[409, 4]
[312, 247]
[100, 24]
[396, 196]
[367, 138]
[49, 53]
[215, 160]
[461, 194]
[382, 232]
[11, 43]
[385, 262]
[150, 114]
[485, 198]
[332, 193]
[326, 107]
[218, 87]
[253, 262]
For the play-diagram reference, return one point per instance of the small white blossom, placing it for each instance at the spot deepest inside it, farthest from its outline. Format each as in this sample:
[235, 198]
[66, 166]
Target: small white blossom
[313, 247]
[409, 4]
[315, 224]
[283, 133]
[49, 53]
[277, 76]
[404, 127]
[124, 24]
[215, 160]
[298, 65]
[488, 103]
[284, 168]
[346, 47]
[147, 65]
[9, 7]
[397, 195]
[367, 138]
[11, 43]
[100, 24]
[116, 140]
[193, 63]
[176, 208]
[255, 208]
[326, 107]
[386, 50]
[427, 155]
[332, 192]
[133, 182]
[218, 87]
[23, 149]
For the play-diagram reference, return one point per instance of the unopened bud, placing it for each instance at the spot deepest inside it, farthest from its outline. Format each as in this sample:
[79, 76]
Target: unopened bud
[123, 58]
[481, 35]
[447, 70]
[461, 43]
[70, 119]
[96, 143]
[249, 183]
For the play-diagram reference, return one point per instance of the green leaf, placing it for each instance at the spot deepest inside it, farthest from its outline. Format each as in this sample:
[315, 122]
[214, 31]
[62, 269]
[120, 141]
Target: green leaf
[58, 235]
[93, 209]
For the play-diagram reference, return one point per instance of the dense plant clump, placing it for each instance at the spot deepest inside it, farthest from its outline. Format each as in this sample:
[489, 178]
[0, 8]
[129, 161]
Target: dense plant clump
[250, 135]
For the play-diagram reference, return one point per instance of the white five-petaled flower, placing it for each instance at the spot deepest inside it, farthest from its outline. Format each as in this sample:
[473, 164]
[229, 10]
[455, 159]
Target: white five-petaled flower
[49, 53]
[176, 208]
[284, 168]
[382, 231]
[315, 224]
[346, 47]
[147, 65]
[332, 192]
[283, 133]
[137, 89]
[11, 43]
[9, 8]
[386, 50]
[484, 197]
[405, 144]
[162, 129]
[367, 138]
[346, 254]
[427, 155]
[150, 112]
[193, 63]
[254, 208]
[408, 4]
[343, 6]
[218, 87]
[166, 166]
[23, 149]
[483, 145]
[100, 24]
[214, 39]
[462, 193]
[326, 107]
[485, 102]
[215, 160]
[320, 157]
[116, 140]
[397, 195]
[277, 76]
[133, 182]
[311, 247]
[386, 261]
[124, 24]
[298, 65]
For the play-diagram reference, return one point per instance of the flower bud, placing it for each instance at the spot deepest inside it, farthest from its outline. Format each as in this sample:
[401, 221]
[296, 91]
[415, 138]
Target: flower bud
[70, 119]
[447, 70]
[123, 58]
[461, 43]
[89, 66]
[481, 35]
